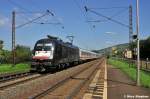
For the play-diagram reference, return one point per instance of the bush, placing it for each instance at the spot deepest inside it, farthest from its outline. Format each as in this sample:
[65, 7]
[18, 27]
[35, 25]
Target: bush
[5, 56]
[23, 53]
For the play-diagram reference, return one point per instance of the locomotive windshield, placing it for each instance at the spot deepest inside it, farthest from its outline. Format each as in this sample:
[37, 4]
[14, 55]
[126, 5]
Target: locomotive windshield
[43, 47]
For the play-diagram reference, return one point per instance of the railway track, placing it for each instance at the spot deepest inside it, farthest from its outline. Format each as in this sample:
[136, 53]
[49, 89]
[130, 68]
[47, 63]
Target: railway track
[20, 80]
[33, 88]
[69, 87]
[7, 77]
[14, 76]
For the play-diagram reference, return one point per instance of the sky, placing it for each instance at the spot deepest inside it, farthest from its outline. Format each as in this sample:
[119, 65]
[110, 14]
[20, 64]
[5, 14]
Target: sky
[90, 31]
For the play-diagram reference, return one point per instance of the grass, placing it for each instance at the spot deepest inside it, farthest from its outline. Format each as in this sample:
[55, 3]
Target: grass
[8, 68]
[131, 72]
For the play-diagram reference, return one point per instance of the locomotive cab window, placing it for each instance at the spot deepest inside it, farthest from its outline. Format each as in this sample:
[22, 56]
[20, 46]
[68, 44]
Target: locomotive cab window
[47, 47]
[43, 47]
[39, 47]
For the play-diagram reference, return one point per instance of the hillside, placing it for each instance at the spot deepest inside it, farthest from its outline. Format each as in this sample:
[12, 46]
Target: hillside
[119, 48]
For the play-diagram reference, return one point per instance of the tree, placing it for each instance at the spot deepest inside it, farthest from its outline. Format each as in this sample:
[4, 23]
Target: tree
[5, 56]
[23, 53]
[145, 48]
[1, 44]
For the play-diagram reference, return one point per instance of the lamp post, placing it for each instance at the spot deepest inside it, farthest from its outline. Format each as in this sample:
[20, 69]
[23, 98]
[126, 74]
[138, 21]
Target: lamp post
[138, 44]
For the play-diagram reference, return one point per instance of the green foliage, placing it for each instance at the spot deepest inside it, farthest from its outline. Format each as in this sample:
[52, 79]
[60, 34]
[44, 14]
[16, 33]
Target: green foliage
[1, 44]
[23, 53]
[8, 68]
[131, 72]
[145, 48]
[5, 56]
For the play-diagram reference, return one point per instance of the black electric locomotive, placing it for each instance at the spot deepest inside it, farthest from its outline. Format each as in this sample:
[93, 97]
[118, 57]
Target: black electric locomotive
[53, 53]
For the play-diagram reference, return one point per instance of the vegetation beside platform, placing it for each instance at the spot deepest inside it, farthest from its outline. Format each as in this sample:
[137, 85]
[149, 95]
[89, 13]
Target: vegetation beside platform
[131, 72]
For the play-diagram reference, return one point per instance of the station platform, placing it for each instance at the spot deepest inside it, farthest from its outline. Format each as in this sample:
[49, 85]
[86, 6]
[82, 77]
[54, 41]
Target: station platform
[120, 86]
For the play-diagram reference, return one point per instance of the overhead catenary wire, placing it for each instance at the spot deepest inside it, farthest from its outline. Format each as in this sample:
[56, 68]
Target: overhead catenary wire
[80, 8]
[46, 23]
[58, 23]
[53, 23]
[18, 5]
[22, 8]
[119, 12]
[109, 8]
[108, 18]
[31, 21]
[112, 16]
[26, 11]
[92, 26]
[35, 4]
[96, 20]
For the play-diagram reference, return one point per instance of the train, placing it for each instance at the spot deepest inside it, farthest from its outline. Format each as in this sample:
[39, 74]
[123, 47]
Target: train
[52, 53]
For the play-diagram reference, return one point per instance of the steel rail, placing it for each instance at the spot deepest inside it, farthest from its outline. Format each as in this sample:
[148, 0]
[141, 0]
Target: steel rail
[7, 77]
[18, 82]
